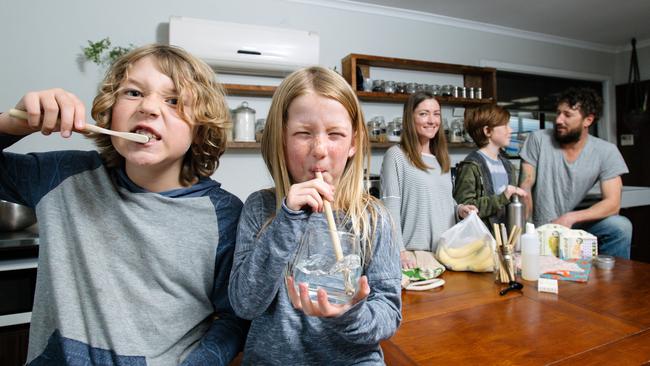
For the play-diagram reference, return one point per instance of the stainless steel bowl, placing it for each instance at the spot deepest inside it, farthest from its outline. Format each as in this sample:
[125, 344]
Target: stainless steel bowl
[14, 217]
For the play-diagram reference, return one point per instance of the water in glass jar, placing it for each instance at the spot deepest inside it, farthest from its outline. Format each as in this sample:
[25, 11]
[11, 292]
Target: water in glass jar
[316, 265]
[321, 271]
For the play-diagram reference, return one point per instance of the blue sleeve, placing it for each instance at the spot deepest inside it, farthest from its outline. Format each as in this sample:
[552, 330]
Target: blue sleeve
[26, 178]
[261, 258]
[226, 336]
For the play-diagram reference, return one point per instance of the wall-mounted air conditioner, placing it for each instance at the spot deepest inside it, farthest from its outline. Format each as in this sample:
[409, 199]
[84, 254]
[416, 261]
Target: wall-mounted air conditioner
[244, 48]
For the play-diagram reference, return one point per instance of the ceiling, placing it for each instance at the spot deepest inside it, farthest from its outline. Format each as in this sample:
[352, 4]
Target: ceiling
[611, 24]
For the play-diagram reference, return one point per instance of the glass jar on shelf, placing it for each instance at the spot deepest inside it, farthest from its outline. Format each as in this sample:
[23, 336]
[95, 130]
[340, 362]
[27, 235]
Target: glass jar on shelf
[400, 87]
[259, 129]
[447, 90]
[456, 131]
[411, 88]
[394, 130]
[378, 85]
[389, 87]
[376, 127]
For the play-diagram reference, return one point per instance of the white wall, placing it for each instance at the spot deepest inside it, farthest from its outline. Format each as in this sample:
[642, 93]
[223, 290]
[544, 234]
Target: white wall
[41, 44]
[623, 63]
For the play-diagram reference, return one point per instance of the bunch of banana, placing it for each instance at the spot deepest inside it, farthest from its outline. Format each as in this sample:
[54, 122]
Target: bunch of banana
[475, 256]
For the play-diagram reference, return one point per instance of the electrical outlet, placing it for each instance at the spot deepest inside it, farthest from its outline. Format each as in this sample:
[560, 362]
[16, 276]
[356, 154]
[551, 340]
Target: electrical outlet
[627, 140]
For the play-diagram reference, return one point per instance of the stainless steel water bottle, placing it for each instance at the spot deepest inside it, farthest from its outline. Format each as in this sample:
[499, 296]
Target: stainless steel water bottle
[515, 212]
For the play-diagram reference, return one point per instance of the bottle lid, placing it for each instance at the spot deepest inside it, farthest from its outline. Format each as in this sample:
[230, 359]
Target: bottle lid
[530, 228]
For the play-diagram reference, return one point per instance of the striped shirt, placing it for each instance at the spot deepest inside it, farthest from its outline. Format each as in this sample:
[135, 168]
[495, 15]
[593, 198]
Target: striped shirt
[420, 202]
[497, 172]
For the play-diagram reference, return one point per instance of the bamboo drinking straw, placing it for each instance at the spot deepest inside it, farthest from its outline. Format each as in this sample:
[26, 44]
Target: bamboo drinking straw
[336, 242]
[503, 273]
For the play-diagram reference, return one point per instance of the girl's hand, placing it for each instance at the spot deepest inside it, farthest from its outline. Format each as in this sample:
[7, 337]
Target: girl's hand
[310, 193]
[464, 210]
[323, 308]
[510, 190]
[49, 111]
[407, 259]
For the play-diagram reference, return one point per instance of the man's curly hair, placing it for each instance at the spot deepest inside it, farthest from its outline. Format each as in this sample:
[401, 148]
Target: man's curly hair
[586, 100]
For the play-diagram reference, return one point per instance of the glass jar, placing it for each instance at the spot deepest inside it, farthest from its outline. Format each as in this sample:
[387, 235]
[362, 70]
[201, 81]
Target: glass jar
[400, 87]
[244, 123]
[375, 129]
[447, 90]
[320, 264]
[389, 87]
[411, 88]
[259, 128]
[394, 130]
[435, 89]
[378, 85]
[456, 132]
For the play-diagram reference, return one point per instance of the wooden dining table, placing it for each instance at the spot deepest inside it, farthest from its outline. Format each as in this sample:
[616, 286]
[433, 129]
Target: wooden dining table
[604, 321]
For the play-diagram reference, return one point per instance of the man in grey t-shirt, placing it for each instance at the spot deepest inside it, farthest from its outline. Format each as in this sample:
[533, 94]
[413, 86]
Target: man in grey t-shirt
[559, 167]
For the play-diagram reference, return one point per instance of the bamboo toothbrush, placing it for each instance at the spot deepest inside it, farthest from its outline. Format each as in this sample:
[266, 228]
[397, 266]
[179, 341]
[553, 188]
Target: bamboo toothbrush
[136, 137]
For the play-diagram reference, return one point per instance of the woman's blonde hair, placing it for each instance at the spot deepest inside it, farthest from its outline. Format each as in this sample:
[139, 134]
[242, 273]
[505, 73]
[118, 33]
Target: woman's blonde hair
[360, 208]
[192, 78]
[410, 142]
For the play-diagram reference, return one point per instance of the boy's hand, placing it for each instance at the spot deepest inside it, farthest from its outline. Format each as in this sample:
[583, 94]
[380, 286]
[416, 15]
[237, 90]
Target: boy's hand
[510, 190]
[48, 111]
[310, 193]
[322, 307]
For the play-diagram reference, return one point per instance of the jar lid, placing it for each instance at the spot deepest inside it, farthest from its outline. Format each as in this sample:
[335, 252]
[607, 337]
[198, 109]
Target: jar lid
[605, 259]
[244, 108]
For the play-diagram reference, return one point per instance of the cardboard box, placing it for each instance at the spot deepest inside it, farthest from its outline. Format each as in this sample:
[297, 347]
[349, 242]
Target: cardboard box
[578, 244]
[549, 237]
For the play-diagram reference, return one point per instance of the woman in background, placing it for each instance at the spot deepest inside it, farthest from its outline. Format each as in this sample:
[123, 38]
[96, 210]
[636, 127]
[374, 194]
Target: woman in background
[416, 182]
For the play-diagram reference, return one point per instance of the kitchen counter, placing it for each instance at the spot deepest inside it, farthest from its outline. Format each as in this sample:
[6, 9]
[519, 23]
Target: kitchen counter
[19, 244]
[631, 196]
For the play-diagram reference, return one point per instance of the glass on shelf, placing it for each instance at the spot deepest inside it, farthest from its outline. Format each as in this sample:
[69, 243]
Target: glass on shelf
[411, 88]
[376, 129]
[394, 130]
[389, 87]
[447, 90]
[456, 131]
[378, 85]
[259, 128]
[400, 87]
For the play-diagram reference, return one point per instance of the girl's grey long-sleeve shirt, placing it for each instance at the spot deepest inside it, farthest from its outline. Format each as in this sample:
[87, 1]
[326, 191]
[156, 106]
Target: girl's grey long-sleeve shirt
[280, 334]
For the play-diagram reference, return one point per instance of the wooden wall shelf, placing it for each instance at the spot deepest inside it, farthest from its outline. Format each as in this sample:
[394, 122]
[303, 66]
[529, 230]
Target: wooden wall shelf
[250, 90]
[473, 77]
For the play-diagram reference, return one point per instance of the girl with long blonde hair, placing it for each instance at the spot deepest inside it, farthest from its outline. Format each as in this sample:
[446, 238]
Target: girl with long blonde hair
[315, 127]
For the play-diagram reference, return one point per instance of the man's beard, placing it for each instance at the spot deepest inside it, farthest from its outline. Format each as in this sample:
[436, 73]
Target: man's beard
[569, 137]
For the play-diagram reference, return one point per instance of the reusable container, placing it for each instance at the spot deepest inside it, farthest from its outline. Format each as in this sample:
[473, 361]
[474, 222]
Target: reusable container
[317, 266]
[244, 123]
